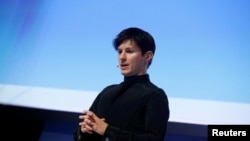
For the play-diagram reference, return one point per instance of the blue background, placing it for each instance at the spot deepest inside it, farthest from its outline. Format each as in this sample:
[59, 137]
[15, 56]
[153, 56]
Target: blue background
[203, 46]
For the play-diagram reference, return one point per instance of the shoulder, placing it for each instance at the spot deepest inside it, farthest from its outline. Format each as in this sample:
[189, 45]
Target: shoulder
[149, 91]
[110, 89]
[156, 93]
[157, 96]
[152, 88]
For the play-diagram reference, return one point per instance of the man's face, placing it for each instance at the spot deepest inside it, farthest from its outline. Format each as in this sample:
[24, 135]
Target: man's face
[131, 60]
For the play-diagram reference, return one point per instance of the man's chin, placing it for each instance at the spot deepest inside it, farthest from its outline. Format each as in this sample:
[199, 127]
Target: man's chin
[126, 74]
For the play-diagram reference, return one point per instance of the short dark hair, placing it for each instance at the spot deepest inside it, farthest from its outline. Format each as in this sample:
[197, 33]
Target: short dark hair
[143, 39]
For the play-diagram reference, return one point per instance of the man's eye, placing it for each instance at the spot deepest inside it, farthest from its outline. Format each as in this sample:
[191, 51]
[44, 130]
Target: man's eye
[129, 51]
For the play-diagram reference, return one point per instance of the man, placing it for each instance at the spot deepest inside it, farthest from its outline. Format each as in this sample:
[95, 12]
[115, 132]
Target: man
[135, 109]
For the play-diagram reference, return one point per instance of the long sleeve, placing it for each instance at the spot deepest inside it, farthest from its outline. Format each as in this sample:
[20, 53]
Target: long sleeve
[156, 118]
[95, 107]
[135, 110]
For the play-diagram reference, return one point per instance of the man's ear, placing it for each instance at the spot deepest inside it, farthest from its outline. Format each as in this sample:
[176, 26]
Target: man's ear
[149, 55]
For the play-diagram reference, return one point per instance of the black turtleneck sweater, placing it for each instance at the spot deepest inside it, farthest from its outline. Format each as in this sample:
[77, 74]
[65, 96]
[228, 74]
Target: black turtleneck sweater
[135, 110]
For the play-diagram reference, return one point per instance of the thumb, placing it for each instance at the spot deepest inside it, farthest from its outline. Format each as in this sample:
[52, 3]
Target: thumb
[93, 115]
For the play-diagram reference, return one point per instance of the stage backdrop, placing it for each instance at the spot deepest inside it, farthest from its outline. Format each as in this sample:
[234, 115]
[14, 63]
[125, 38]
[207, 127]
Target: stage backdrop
[203, 46]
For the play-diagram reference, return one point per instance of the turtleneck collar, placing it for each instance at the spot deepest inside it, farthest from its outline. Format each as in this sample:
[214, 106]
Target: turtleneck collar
[136, 79]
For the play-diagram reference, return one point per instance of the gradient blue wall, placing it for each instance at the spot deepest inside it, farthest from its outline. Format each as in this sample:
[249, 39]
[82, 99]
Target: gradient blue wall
[203, 47]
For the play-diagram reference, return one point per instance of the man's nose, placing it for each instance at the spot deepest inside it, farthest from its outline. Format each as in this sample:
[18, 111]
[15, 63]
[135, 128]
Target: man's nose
[122, 55]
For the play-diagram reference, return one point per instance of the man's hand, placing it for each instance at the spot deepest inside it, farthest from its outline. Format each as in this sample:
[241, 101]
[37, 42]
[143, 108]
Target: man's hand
[92, 123]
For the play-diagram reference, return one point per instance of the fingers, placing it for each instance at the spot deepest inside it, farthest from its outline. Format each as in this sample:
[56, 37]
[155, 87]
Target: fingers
[92, 123]
[87, 115]
[91, 115]
[85, 128]
[86, 125]
[87, 122]
[81, 117]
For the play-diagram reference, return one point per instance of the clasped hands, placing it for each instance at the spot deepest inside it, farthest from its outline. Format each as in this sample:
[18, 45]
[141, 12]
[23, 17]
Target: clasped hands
[91, 123]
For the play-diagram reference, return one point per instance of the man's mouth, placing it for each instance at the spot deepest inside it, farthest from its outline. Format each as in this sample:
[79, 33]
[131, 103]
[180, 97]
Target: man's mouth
[123, 66]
